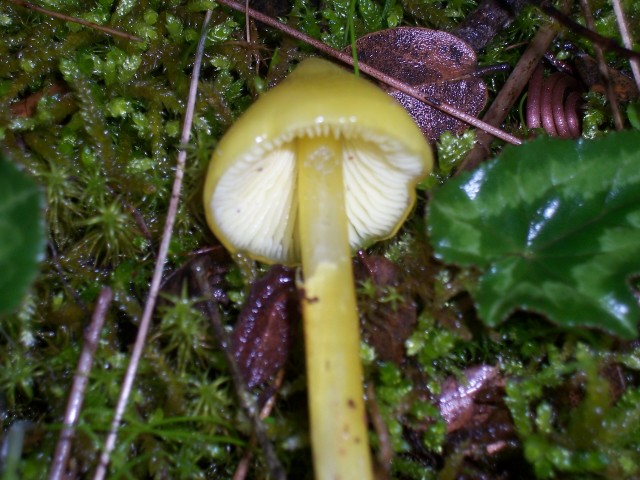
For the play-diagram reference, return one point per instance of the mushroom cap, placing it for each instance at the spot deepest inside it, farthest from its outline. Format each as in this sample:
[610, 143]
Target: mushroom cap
[250, 193]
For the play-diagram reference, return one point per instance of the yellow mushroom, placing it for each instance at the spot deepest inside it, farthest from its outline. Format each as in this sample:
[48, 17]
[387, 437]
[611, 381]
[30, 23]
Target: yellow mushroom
[324, 163]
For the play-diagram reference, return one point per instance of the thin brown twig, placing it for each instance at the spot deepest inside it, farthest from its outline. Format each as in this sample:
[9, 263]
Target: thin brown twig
[154, 289]
[372, 72]
[247, 27]
[587, 32]
[603, 69]
[508, 94]
[61, 16]
[79, 386]
[626, 39]
[385, 450]
[247, 402]
[242, 470]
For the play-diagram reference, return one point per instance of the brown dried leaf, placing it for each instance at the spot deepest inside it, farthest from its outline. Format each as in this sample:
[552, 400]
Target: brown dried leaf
[262, 338]
[437, 63]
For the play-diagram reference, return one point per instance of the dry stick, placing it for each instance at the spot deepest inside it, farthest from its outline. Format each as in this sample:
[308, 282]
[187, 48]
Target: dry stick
[145, 322]
[603, 69]
[80, 381]
[508, 94]
[626, 39]
[247, 402]
[372, 72]
[61, 16]
[605, 42]
[385, 451]
[242, 468]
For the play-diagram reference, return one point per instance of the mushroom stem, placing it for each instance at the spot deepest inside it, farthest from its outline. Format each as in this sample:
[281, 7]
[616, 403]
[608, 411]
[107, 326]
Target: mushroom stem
[339, 436]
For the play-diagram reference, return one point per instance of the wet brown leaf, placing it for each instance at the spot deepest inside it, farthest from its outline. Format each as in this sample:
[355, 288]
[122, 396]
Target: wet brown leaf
[481, 440]
[262, 338]
[458, 398]
[437, 63]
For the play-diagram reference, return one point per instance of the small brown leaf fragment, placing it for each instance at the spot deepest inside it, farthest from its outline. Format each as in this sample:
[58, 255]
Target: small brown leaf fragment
[263, 335]
[27, 107]
[437, 64]
[623, 86]
[457, 400]
[389, 321]
[481, 436]
[482, 24]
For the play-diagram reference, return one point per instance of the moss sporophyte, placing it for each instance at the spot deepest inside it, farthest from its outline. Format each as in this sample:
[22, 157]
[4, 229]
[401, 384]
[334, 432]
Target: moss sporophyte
[307, 174]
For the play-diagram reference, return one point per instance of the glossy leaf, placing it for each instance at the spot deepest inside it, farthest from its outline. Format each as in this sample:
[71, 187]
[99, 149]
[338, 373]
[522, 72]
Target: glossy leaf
[554, 226]
[21, 234]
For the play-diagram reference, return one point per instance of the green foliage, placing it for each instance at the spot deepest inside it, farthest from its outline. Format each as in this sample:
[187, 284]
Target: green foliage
[451, 150]
[595, 437]
[22, 233]
[436, 14]
[553, 226]
[359, 16]
[403, 404]
[101, 140]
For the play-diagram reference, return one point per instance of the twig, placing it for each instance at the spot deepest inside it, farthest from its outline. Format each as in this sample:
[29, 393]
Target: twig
[55, 260]
[79, 386]
[372, 72]
[61, 16]
[605, 42]
[243, 466]
[154, 289]
[626, 39]
[385, 450]
[245, 399]
[508, 94]
[603, 69]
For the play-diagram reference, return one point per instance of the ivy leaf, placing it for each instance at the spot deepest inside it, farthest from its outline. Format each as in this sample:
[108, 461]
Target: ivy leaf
[554, 227]
[21, 234]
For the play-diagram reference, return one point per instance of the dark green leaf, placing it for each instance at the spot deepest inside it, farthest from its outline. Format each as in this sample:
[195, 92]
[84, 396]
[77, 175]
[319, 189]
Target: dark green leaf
[554, 227]
[21, 234]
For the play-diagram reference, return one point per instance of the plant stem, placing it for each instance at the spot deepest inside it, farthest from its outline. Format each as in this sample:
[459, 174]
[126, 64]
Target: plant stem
[339, 436]
[80, 382]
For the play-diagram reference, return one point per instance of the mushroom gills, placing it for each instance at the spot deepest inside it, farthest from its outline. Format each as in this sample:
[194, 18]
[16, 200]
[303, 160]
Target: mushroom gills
[376, 172]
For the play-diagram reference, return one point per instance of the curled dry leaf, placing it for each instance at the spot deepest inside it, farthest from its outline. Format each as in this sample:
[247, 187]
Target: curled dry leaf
[262, 338]
[438, 64]
[554, 104]
[390, 322]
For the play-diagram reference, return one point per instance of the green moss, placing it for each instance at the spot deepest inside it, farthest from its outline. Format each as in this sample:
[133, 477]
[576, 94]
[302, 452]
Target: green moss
[104, 148]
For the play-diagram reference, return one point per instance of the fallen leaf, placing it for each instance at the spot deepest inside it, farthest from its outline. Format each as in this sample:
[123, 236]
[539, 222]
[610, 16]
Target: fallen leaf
[437, 63]
[263, 335]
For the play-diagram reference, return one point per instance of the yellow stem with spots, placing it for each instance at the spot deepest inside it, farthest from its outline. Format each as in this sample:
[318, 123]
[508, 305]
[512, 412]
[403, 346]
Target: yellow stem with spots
[339, 433]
